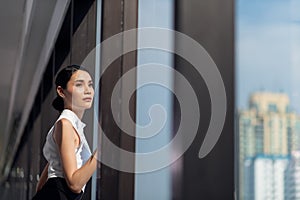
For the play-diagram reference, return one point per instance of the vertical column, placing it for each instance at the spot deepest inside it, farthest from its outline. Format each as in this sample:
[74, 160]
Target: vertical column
[210, 23]
[111, 24]
[126, 180]
[117, 16]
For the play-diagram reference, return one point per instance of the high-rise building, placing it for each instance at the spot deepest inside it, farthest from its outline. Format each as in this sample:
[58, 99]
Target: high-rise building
[292, 177]
[268, 130]
[265, 177]
[269, 177]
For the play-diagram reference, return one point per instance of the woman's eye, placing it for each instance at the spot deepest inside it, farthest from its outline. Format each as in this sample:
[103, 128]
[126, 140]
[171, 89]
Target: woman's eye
[90, 85]
[78, 85]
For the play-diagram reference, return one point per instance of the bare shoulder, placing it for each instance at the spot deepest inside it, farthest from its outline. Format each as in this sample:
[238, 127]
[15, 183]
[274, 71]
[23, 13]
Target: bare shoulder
[62, 129]
[63, 122]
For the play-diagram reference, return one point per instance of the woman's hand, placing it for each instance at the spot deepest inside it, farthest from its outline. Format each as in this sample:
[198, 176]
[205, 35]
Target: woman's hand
[95, 154]
[43, 178]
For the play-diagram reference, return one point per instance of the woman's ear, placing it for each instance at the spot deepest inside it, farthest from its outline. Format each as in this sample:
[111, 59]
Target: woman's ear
[60, 91]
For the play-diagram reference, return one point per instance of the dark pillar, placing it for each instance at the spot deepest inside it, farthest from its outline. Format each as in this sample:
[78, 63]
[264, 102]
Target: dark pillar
[210, 23]
[118, 15]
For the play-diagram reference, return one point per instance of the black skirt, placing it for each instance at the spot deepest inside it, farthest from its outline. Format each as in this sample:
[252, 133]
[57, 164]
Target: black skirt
[56, 188]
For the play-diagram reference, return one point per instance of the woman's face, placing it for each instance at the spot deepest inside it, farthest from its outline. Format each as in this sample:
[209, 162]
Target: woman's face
[79, 92]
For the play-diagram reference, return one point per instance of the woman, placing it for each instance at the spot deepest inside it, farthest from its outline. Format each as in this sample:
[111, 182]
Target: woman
[70, 162]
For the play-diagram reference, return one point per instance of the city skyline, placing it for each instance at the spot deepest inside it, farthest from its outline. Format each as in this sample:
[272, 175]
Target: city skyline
[268, 139]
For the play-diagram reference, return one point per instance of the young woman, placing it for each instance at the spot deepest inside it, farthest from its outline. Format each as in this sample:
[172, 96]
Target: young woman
[70, 162]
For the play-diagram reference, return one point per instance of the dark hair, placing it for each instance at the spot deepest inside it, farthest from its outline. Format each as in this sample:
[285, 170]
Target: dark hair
[62, 78]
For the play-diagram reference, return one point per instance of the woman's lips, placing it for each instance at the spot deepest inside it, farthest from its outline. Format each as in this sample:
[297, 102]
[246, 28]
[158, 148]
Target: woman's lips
[87, 99]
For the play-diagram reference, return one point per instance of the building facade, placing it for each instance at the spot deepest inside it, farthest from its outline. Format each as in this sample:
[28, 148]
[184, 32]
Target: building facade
[268, 134]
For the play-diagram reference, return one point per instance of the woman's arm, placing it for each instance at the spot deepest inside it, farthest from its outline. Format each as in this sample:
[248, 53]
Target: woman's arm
[65, 137]
[43, 178]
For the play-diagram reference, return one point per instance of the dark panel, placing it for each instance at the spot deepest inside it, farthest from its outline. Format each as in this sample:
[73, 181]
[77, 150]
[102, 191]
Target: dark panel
[210, 23]
[35, 154]
[63, 42]
[111, 24]
[84, 36]
[109, 177]
[117, 16]
[48, 78]
[129, 62]
[81, 10]
[17, 182]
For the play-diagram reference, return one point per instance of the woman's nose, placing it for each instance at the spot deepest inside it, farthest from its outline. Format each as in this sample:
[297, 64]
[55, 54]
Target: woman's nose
[87, 90]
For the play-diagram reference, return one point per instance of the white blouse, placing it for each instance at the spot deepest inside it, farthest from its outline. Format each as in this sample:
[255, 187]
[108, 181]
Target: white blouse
[51, 151]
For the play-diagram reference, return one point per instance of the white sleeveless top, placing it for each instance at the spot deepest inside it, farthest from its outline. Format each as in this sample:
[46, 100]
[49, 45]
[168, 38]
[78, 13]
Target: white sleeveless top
[51, 151]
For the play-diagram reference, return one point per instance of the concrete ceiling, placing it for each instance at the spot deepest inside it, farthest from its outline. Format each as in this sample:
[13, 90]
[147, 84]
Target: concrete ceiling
[28, 32]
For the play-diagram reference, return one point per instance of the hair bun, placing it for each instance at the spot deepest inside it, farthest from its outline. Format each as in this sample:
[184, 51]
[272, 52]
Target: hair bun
[58, 104]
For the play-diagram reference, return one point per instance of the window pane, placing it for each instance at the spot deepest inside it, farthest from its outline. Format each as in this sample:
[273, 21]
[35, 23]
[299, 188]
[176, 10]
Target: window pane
[268, 109]
[156, 184]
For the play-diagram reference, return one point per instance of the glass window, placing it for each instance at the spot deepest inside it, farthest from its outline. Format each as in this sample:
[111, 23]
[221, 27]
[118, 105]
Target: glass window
[267, 65]
[156, 184]
[272, 107]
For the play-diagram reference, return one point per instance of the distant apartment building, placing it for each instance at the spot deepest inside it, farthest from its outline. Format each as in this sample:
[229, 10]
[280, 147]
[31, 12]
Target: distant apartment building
[265, 177]
[292, 177]
[268, 133]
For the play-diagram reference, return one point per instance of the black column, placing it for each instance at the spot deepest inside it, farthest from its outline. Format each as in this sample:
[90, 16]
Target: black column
[117, 16]
[210, 23]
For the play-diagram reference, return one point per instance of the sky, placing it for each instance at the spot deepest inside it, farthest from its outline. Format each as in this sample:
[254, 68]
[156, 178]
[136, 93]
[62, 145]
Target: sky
[267, 47]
